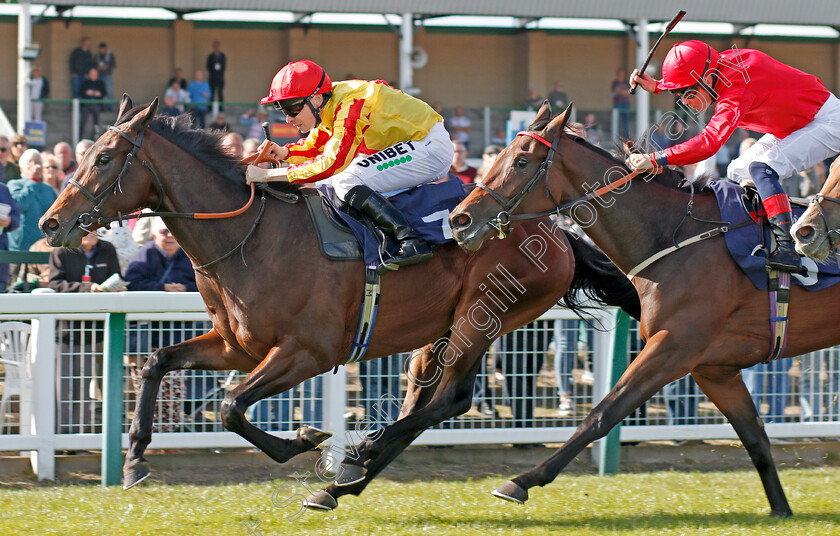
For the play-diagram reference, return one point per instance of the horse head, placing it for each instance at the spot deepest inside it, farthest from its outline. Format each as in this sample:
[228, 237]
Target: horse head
[112, 178]
[817, 232]
[506, 192]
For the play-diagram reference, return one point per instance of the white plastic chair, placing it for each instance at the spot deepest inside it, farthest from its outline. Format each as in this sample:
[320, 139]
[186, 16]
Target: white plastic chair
[14, 355]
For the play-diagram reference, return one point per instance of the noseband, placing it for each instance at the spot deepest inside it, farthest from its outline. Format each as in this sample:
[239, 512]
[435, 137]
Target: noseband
[95, 215]
[816, 202]
[504, 218]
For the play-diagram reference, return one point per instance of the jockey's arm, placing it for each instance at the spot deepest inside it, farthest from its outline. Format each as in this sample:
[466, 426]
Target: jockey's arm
[258, 174]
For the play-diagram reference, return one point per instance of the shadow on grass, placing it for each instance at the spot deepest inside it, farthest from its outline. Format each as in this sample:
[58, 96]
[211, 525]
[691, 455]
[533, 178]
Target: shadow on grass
[612, 523]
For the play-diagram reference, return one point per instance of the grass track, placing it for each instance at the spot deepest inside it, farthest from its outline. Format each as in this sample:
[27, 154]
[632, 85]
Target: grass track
[659, 503]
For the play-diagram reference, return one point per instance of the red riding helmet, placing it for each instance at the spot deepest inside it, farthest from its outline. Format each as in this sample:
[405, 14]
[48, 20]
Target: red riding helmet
[686, 64]
[298, 79]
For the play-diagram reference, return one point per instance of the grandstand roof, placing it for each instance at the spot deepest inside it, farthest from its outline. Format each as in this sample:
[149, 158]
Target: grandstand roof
[816, 12]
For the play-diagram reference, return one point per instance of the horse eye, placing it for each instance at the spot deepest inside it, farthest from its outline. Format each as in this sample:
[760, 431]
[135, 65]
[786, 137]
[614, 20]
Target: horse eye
[521, 162]
[104, 159]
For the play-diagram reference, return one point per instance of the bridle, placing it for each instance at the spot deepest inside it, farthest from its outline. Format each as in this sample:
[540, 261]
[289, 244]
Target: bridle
[505, 217]
[816, 202]
[95, 216]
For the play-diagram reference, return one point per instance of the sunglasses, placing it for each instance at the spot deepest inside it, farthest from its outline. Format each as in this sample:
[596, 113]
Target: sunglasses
[164, 232]
[291, 110]
[52, 167]
[20, 143]
[682, 91]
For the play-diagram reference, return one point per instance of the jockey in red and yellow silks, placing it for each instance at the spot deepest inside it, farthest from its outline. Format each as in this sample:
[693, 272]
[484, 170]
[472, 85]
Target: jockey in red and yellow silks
[751, 90]
[365, 138]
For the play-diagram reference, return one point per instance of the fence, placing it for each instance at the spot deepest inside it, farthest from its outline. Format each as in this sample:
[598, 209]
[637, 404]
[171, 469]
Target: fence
[535, 386]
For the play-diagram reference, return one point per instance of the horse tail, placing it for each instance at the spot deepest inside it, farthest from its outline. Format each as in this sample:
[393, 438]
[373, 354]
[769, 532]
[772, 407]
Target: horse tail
[599, 280]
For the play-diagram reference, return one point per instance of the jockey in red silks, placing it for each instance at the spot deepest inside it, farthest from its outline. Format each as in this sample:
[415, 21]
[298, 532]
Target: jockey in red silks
[799, 116]
[364, 137]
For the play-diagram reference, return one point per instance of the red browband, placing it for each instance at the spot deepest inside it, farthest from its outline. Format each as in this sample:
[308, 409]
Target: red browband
[535, 136]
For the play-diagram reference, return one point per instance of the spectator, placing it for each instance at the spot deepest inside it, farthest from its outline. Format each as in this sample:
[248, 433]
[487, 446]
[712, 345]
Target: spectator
[179, 96]
[231, 143]
[81, 149]
[216, 65]
[80, 357]
[460, 126]
[769, 382]
[819, 385]
[19, 145]
[9, 221]
[488, 158]
[142, 232]
[570, 343]
[120, 237]
[380, 380]
[161, 264]
[36, 274]
[557, 97]
[105, 63]
[681, 402]
[499, 138]
[178, 76]
[533, 101]
[169, 109]
[81, 60]
[593, 129]
[219, 123]
[254, 120]
[438, 107]
[250, 146]
[199, 92]
[659, 139]
[64, 153]
[577, 129]
[620, 92]
[33, 198]
[39, 88]
[8, 168]
[92, 90]
[51, 171]
[459, 166]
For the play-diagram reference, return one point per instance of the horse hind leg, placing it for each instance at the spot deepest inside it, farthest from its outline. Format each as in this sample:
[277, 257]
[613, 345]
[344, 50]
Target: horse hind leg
[728, 392]
[206, 352]
[284, 367]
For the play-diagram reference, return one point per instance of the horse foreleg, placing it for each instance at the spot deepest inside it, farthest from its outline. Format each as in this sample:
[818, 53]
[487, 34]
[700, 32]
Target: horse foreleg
[285, 366]
[728, 392]
[425, 370]
[207, 352]
[648, 373]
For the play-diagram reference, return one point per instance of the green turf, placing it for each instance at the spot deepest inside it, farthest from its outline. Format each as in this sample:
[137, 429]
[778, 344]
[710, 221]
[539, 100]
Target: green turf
[661, 503]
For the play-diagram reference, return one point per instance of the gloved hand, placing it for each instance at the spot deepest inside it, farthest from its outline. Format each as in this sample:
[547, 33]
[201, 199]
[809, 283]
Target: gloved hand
[641, 162]
[256, 174]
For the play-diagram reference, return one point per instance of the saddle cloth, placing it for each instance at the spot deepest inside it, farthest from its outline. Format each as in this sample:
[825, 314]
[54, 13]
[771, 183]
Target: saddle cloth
[345, 235]
[745, 244]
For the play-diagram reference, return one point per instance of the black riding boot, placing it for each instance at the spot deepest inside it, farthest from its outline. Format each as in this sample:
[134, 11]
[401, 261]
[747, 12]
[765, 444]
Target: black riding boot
[784, 257]
[413, 249]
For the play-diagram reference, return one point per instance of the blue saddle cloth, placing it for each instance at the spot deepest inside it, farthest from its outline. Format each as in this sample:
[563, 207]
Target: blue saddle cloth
[744, 244]
[426, 207]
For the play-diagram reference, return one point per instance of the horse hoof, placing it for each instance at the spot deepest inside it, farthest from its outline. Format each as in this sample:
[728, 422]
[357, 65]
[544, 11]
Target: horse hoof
[321, 500]
[510, 491]
[350, 474]
[136, 473]
[313, 435]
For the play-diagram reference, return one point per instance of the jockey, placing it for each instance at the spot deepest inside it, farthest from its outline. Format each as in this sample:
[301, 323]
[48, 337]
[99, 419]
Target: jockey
[799, 116]
[365, 138]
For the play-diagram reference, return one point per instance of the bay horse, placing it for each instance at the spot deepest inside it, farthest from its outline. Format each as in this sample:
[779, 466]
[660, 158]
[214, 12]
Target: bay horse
[817, 231]
[283, 313]
[700, 314]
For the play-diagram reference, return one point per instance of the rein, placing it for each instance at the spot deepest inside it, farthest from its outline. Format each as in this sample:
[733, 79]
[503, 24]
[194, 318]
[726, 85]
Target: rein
[95, 216]
[503, 219]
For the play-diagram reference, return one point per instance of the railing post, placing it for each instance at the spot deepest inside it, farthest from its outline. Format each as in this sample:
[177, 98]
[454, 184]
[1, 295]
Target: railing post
[610, 451]
[75, 121]
[112, 399]
[43, 396]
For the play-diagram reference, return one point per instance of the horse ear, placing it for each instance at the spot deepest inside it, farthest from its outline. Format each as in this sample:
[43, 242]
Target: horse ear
[545, 112]
[144, 117]
[559, 123]
[125, 106]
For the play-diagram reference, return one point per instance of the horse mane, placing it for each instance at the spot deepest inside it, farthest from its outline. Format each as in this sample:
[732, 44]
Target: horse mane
[203, 144]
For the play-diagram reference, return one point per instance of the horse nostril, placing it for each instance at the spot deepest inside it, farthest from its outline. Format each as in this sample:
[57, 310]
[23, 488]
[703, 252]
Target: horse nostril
[460, 221]
[804, 231]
